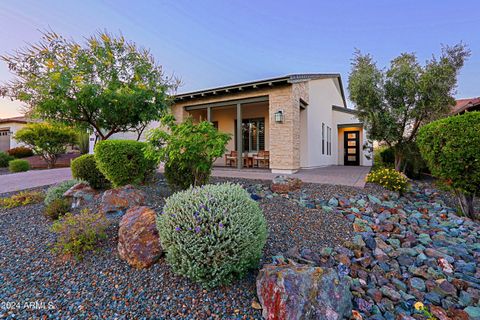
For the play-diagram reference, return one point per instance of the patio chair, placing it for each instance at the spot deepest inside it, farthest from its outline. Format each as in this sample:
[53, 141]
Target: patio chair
[231, 159]
[262, 159]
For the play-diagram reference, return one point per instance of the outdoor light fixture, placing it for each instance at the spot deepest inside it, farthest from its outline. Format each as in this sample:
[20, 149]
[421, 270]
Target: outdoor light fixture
[279, 116]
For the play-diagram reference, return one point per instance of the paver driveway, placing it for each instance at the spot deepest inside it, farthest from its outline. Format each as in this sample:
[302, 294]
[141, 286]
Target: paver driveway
[340, 175]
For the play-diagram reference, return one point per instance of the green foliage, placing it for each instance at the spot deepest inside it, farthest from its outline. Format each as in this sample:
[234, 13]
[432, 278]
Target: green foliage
[79, 233]
[83, 141]
[187, 147]
[413, 164]
[123, 161]
[85, 168]
[389, 179]
[20, 152]
[388, 155]
[46, 139]
[22, 198]
[394, 103]
[178, 178]
[56, 192]
[451, 147]
[106, 83]
[57, 208]
[5, 158]
[212, 234]
[18, 165]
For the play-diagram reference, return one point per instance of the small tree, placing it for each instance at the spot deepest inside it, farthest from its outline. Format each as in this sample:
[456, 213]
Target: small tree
[394, 103]
[451, 148]
[47, 140]
[107, 83]
[187, 147]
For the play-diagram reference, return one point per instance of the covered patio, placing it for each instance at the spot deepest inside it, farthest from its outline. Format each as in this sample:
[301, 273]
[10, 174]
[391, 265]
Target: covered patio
[249, 146]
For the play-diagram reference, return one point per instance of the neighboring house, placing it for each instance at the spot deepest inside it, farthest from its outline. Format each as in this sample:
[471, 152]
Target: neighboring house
[468, 104]
[301, 120]
[8, 128]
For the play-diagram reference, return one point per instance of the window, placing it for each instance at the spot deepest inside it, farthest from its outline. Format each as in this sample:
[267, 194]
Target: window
[253, 134]
[329, 141]
[323, 138]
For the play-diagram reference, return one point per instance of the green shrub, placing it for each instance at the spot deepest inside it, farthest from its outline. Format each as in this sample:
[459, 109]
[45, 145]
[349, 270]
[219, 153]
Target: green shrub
[178, 178]
[78, 233]
[85, 168]
[388, 155]
[83, 141]
[389, 179]
[22, 198]
[212, 234]
[57, 208]
[5, 158]
[414, 164]
[123, 161]
[451, 147]
[186, 147]
[56, 192]
[20, 152]
[18, 165]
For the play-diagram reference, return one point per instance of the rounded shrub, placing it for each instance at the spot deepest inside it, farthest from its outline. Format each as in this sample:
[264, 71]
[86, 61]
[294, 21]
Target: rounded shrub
[57, 208]
[20, 152]
[388, 155]
[85, 168]
[389, 179]
[18, 165]
[212, 234]
[123, 161]
[5, 158]
[56, 191]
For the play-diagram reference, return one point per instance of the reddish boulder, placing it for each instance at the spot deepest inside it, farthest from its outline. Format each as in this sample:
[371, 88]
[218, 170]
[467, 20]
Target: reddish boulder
[120, 199]
[80, 194]
[284, 184]
[138, 241]
[288, 290]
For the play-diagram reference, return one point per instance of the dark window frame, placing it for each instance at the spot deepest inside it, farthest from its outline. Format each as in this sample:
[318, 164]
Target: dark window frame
[260, 141]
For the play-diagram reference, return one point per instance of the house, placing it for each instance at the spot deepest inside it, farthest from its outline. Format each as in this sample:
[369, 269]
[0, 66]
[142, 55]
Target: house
[8, 128]
[302, 120]
[468, 104]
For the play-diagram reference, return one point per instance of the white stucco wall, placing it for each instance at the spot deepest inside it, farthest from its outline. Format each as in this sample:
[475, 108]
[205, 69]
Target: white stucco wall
[323, 93]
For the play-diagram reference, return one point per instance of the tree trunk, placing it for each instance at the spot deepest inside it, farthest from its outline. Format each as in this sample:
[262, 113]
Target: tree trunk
[466, 204]
[398, 160]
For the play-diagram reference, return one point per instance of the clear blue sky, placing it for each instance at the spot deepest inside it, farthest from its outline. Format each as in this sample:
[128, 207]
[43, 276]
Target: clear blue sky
[208, 43]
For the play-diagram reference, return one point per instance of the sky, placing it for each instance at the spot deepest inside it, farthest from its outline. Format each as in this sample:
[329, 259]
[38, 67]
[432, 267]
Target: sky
[213, 43]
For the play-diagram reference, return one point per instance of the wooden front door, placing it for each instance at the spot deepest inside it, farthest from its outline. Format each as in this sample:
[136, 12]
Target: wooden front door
[352, 148]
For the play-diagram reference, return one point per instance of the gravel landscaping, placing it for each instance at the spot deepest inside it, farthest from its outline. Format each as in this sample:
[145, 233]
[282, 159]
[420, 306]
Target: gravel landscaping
[333, 221]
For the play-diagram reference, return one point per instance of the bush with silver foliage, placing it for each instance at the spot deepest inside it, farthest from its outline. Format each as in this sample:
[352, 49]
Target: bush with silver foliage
[212, 234]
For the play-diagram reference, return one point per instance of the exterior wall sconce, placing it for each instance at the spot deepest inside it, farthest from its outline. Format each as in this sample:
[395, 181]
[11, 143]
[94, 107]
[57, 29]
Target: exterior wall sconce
[279, 116]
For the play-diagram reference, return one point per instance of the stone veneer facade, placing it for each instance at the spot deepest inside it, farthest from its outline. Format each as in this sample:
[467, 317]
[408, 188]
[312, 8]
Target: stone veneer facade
[284, 137]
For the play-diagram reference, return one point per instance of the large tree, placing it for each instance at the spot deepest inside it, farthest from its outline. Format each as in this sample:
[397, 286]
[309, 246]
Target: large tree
[395, 102]
[106, 83]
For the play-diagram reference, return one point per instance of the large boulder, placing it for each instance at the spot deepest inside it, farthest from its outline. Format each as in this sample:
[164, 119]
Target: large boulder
[284, 184]
[80, 194]
[288, 290]
[138, 241]
[120, 199]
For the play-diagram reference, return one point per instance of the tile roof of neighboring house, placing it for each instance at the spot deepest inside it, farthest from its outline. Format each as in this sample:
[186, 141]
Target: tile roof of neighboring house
[20, 119]
[291, 78]
[465, 104]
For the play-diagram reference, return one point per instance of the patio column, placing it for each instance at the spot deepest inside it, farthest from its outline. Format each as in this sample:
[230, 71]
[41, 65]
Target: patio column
[239, 136]
[209, 114]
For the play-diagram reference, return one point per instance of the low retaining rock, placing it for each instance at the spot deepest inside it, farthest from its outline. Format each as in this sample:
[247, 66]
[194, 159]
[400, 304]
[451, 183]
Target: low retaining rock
[284, 184]
[120, 199]
[80, 194]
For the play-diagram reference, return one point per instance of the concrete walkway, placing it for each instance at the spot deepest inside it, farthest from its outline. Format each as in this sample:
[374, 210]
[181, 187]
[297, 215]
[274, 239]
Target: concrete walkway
[32, 179]
[339, 175]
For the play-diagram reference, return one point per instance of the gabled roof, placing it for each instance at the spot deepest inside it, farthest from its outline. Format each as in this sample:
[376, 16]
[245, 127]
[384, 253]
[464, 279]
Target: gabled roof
[264, 83]
[20, 119]
[465, 104]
